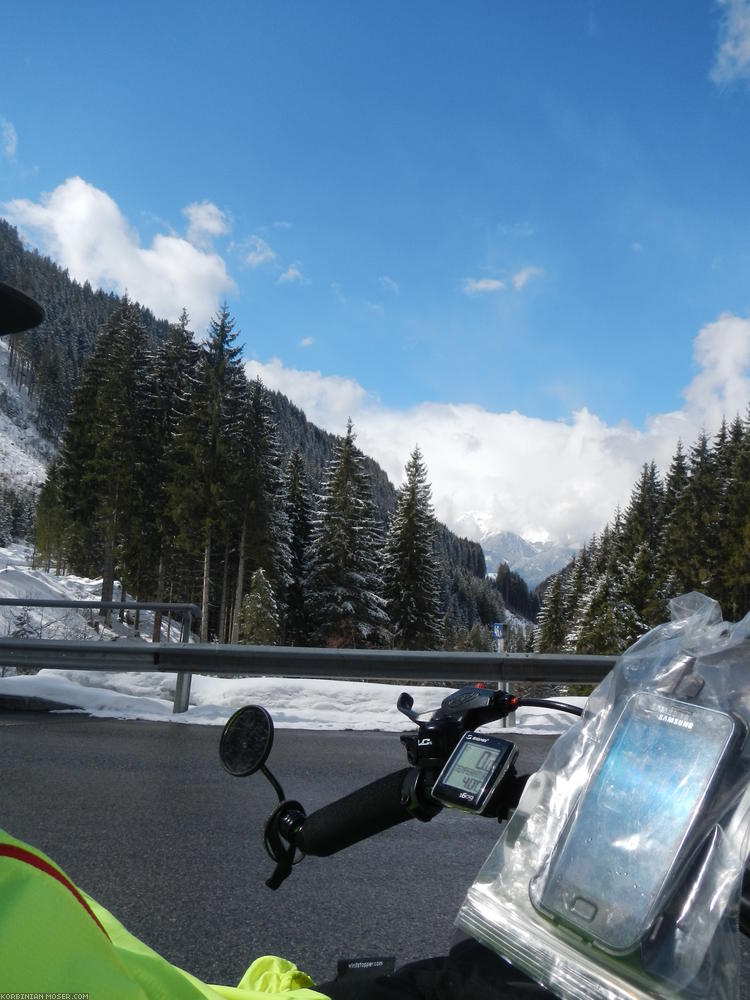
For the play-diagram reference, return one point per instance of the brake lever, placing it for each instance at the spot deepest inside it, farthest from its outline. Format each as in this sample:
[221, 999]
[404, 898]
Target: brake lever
[404, 705]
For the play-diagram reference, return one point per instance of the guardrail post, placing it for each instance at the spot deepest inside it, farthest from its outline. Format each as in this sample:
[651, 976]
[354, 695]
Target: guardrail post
[184, 677]
[510, 720]
[505, 685]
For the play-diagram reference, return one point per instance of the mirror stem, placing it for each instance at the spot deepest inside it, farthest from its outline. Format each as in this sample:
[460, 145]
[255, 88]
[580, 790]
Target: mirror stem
[277, 787]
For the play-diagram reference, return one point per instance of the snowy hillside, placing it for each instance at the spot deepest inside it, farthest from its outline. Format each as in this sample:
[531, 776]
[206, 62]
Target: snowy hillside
[24, 454]
[18, 580]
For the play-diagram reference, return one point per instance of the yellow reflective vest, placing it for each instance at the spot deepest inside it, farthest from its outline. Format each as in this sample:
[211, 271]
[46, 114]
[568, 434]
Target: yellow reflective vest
[55, 939]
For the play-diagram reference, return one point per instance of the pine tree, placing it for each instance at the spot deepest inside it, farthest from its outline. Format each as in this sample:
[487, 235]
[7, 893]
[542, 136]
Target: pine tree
[298, 506]
[6, 517]
[117, 473]
[515, 594]
[141, 525]
[77, 493]
[702, 505]
[259, 617]
[174, 364]
[549, 635]
[477, 639]
[259, 499]
[410, 571]
[640, 538]
[50, 524]
[728, 446]
[609, 622]
[345, 603]
[735, 546]
[22, 627]
[205, 438]
[100, 463]
[674, 542]
[576, 583]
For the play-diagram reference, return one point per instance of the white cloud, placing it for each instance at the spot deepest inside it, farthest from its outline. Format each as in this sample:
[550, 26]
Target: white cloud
[8, 138]
[636, 247]
[83, 229]
[722, 386]
[524, 276]
[326, 399]
[375, 309]
[336, 289]
[540, 478]
[205, 221]
[307, 342]
[389, 284]
[291, 275]
[259, 253]
[733, 56]
[482, 286]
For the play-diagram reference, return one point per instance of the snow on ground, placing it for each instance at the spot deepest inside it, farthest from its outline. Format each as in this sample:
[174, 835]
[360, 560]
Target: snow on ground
[294, 703]
[24, 454]
[307, 703]
[19, 580]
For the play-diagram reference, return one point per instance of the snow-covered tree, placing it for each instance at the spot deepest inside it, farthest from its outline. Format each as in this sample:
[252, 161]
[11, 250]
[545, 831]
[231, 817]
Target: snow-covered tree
[410, 573]
[205, 439]
[477, 639]
[22, 626]
[549, 636]
[101, 476]
[259, 615]
[174, 365]
[259, 500]
[735, 547]
[344, 591]
[298, 505]
[609, 623]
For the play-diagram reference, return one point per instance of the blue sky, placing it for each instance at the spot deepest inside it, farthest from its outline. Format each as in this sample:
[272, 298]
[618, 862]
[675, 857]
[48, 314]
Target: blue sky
[463, 221]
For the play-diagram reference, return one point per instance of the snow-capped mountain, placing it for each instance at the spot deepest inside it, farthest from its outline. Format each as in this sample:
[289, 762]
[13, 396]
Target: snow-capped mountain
[534, 561]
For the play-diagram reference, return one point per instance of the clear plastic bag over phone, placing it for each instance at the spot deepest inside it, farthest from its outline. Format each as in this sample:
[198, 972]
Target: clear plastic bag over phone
[619, 874]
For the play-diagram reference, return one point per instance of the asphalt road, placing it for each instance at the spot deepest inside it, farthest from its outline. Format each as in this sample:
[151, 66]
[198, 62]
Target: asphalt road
[143, 816]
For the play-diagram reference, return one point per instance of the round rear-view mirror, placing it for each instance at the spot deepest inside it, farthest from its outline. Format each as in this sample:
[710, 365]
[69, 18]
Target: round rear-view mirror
[18, 311]
[246, 741]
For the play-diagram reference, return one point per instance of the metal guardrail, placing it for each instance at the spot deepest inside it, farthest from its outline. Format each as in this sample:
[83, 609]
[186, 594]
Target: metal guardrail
[186, 658]
[188, 611]
[298, 661]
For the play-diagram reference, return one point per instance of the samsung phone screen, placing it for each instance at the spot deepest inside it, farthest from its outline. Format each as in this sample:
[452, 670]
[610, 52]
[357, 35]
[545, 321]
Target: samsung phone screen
[634, 817]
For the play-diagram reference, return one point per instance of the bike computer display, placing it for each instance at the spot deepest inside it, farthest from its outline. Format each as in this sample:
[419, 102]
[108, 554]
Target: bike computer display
[474, 771]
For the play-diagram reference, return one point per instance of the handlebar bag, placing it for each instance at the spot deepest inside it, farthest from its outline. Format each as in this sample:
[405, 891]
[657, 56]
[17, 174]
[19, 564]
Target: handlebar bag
[619, 874]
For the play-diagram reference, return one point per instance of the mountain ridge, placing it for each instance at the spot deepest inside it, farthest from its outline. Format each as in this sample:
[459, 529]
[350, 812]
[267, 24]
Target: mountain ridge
[533, 561]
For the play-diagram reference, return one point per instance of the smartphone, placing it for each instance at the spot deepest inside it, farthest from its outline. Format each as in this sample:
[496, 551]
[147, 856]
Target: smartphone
[635, 824]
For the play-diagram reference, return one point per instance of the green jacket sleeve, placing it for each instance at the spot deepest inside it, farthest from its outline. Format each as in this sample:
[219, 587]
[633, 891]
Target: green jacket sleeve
[56, 939]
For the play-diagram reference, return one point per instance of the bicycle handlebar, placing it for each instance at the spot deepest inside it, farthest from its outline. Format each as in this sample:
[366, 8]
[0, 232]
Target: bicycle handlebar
[365, 812]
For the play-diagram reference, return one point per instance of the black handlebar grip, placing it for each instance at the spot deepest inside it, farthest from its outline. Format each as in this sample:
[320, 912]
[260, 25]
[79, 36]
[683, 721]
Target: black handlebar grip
[368, 811]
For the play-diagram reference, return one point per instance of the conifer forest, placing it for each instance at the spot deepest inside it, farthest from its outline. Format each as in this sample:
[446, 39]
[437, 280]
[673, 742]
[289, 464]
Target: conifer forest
[689, 530]
[184, 481]
[181, 480]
